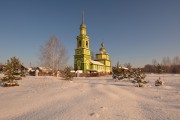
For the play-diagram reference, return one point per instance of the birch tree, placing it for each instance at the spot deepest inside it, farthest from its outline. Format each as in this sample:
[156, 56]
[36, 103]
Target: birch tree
[176, 60]
[53, 54]
[166, 61]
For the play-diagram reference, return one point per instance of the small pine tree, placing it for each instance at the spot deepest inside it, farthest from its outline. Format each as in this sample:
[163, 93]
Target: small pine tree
[139, 77]
[12, 71]
[118, 72]
[67, 73]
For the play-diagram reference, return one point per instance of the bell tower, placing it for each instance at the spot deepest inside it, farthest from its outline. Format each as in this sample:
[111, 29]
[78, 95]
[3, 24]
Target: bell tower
[82, 55]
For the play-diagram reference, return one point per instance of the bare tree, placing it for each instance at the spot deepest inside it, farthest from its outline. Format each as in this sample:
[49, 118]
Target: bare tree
[53, 54]
[154, 62]
[166, 61]
[118, 64]
[176, 60]
[128, 65]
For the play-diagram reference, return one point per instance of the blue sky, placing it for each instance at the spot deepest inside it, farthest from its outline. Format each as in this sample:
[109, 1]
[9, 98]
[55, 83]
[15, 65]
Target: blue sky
[134, 31]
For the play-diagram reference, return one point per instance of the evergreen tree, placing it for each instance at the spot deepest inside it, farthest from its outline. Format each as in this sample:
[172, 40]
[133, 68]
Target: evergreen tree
[118, 72]
[67, 73]
[139, 77]
[12, 71]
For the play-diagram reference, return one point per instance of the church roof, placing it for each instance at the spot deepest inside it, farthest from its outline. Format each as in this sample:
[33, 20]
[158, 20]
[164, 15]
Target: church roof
[96, 62]
[125, 68]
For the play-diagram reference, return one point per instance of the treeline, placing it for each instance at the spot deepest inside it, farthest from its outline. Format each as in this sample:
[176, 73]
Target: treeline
[167, 65]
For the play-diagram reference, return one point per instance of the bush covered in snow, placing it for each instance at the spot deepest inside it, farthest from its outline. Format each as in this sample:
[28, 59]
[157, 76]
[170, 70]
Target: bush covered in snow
[159, 82]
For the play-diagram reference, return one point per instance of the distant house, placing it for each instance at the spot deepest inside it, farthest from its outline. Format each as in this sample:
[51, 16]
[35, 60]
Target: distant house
[45, 70]
[23, 68]
[42, 71]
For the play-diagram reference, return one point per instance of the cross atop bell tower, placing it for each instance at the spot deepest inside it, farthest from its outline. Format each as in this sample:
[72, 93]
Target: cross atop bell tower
[83, 26]
[83, 17]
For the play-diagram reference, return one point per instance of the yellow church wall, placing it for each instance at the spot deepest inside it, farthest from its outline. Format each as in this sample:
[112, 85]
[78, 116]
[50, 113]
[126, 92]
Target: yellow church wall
[86, 51]
[85, 43]
[108, 63]
[99, 68]
[93, 67]
[108, 69]
[82, 51]
[86, 66]
[102, 56]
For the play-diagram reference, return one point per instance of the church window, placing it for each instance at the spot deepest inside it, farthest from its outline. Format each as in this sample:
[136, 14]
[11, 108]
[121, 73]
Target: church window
[79, 43]
[86, 43]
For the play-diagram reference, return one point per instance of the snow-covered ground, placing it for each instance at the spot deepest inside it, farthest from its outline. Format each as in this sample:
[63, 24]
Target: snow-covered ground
[50, 98]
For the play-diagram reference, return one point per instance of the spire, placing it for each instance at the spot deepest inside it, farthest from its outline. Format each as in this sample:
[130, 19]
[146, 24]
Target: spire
[83, 17]
[83, 26]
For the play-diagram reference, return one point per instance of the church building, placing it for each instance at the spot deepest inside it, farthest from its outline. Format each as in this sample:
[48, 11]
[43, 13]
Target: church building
[82, 57]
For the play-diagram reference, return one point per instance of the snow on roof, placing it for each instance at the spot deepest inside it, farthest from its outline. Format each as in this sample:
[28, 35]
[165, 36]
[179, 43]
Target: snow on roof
[96, 62]
[124, 68]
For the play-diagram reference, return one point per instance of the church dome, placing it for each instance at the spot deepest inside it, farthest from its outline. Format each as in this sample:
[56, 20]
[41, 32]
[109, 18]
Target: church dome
[102, 49]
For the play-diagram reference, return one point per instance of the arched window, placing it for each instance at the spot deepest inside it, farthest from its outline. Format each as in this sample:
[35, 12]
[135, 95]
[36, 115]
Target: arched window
[86, 43]
[79, 44]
